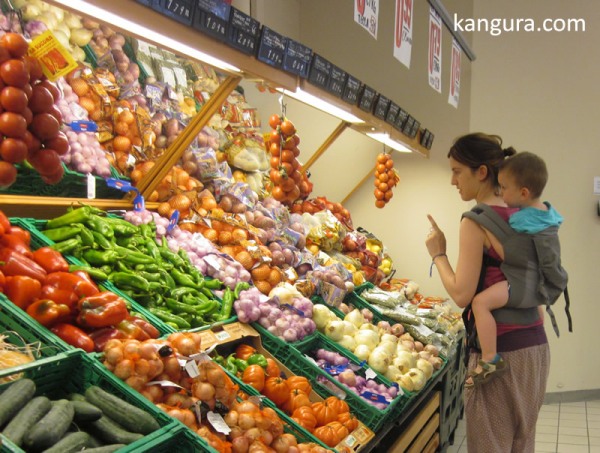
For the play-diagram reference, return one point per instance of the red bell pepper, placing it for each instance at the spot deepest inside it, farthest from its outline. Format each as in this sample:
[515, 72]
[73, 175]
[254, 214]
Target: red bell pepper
[102, 336]
[5, 225]
[131, 330]
[72, 282]
[14, 242]
[2, 281]
[22, 234]
[22, 290]
[60, 296]
[74, 336]
[145, 326]
[47, 312]
[50, 260]
[101, 310]
[14, 263]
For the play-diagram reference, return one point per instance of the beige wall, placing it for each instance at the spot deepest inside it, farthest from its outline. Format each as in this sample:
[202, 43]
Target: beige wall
[539, 92]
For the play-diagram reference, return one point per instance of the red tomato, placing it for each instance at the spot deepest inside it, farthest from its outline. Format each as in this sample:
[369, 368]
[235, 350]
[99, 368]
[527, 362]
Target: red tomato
[45, 161]
[60, 143]
[8, 174]
[13, 99]
[13, 150]
[15, 73]
[41, 99]
[44, 126]
[52, 88]
[35, 68]
[15, 43]
[13, 125]
[54, 178]
[33, 143]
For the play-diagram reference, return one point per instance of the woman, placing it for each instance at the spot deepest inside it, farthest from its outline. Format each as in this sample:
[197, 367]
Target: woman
[501, 414]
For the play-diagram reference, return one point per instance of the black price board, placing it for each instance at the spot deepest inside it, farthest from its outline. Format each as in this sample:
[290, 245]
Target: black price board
[401, 119]
[367, 99]
[180, 10]
[337, 81]
[392, 113]
[424, 138]
[382, 104]
[146, 2]
[408, 125]
[297, 58]
[271, 47]
[212, 18]
[430, 141]
[243, 32]
[320, 71]
[414, 129]
[351, 90]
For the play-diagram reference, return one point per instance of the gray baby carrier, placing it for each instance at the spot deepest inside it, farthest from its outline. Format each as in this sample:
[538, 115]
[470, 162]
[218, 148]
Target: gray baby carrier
[531, 266]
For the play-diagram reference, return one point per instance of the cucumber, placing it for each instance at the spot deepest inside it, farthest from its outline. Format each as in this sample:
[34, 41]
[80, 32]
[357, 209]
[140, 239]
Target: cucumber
[76, 397]
[94, 442]
[105, 449]
[21, 423]
[85, 412]
[51, 427]
[111, 432]
[14, 398]
[72, 442]
[130, 417]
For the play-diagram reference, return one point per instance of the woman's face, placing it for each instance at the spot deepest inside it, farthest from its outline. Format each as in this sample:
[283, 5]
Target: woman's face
[465, 179]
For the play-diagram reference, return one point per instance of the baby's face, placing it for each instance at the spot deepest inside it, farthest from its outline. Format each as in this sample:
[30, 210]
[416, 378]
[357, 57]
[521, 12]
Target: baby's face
[512, 194]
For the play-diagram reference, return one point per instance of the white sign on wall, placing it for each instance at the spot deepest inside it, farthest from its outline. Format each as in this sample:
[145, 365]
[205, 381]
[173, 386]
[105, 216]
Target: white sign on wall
[403, 31]
[454, 75]
[366, 14]
[434, 62]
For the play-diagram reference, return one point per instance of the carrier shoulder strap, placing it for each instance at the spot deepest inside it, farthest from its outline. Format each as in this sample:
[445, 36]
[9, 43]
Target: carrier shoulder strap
[485, 216]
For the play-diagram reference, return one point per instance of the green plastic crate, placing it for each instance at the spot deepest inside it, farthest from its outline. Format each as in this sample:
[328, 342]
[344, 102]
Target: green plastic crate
[275, 345]
[371, 416]
[73, 184]
[179, 439]
[74, 371]
[20, 329]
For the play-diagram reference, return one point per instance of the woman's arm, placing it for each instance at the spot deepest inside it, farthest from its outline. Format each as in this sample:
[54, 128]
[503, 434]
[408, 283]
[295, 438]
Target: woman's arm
[462, 284]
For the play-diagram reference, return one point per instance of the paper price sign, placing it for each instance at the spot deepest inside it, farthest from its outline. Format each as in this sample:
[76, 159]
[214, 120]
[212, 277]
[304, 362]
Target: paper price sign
[56, 61]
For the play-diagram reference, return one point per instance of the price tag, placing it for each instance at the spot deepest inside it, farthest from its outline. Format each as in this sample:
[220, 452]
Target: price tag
[56, 61]
[408, 125]
[173, 221]
[337, 81]
[212, 18]
[222, 335]
[218, 423]
[370, 374]
[381, 107]
[91, 186]
[244, 31]
[180, 10]
[192, 369]
[367, 98]
[414, 129]
[392, 113]
[146, 2]
[165, 384]
[375, 397]
[212, 260]
[351, 90]
[320, 70]
[401, 118]
[83, 126]
[271, 47]
[297, 58]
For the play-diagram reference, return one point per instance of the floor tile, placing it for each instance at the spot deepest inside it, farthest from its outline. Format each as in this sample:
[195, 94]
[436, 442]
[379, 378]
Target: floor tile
[593, 425]
[550, 408]
[573, 404]
[581, 432]
[594, 449]
[546, 429]
[567, 448]
[547, 422]
[593, 403]
[453, 448]
[543, 437]
[595, 441]
[593, 418]
[594, 410]
[573, 440]
[572, 409]
[594, 432]
[545, 447]
[549, 415]
[573, 417]
[573, 423]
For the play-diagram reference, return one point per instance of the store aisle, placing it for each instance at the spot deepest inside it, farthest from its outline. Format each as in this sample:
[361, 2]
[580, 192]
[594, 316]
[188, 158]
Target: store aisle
[561, 428]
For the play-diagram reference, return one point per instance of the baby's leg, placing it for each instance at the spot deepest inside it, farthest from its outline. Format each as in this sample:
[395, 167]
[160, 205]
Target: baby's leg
[492, 298]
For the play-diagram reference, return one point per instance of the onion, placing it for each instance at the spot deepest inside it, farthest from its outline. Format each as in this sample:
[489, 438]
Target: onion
[347, 377]
[335, 330]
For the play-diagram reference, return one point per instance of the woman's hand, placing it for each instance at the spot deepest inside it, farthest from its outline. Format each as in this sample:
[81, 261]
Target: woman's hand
[436, 241]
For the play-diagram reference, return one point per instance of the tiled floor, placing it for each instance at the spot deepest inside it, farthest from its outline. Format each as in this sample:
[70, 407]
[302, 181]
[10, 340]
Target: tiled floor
[561, 428]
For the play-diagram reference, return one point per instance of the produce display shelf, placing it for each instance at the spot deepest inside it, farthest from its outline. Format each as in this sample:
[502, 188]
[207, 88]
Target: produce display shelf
[274, 344]
[73, 184]
[371, 416]
[73, 371]
[20, 329]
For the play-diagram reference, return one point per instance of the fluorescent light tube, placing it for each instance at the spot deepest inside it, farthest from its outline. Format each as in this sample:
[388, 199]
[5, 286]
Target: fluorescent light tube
[384, 138]
[144, 33]
[320, 104]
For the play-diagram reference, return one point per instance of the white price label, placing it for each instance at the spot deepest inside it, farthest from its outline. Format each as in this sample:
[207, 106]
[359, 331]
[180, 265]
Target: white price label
[222, 336]
[192, 369]
[370, 374]
[91, 186]
[218, 423]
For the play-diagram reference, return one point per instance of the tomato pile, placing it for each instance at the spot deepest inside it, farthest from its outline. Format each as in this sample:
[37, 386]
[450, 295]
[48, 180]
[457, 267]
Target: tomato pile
[289, 182]
[385, 179]
[29, 119]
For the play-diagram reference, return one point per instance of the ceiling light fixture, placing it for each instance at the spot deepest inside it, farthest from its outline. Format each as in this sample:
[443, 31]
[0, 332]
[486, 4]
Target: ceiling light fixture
[314, 101]
[384, 137]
